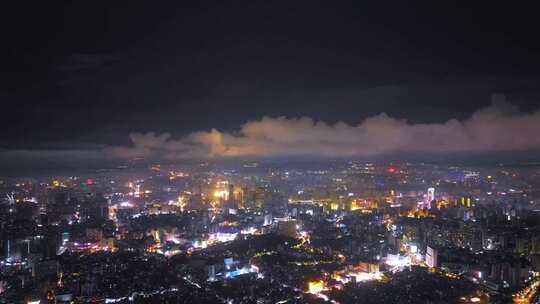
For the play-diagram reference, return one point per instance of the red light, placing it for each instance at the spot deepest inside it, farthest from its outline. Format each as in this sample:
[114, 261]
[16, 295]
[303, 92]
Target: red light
[89, 182]
[392, 170]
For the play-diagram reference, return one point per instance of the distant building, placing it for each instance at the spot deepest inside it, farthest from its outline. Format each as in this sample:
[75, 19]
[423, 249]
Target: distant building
[232, 202]
[430, 197]
[97, 208]
[267, 219]
[94, 234]
[431, 257]
[62, 208]
[45, 268]
[211, 272]
[287, 228]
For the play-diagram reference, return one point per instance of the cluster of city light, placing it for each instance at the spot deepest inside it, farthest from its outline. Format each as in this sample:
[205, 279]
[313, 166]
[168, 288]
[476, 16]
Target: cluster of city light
[135, 189]
[182, 202]
[214, 238]
[89, 247]
[169, 253]
[140, 293]
[316, 287]
[221, 194]
[241, 271]
[249, 230]
[173, 239]
[527, 294]
[363, 276]
[173, 175]
[398, 261]
[126, 204]
[304, 238]
[471, 299]
[222, 237]
[200, 244]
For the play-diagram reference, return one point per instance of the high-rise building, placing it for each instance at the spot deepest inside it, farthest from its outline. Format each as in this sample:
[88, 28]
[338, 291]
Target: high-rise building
[431, 257]
[231, 202]
[430, 196]
[96, 208]
[62, 207]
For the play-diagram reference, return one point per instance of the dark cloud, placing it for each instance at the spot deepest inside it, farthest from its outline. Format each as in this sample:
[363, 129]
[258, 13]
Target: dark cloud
[94, 72]
[78, 62]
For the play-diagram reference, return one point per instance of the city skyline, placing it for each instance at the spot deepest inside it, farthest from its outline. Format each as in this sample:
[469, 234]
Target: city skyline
[267, 152]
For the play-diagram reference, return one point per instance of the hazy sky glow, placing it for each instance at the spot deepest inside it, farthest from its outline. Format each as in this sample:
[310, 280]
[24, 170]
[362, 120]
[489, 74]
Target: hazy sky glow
[499, 127]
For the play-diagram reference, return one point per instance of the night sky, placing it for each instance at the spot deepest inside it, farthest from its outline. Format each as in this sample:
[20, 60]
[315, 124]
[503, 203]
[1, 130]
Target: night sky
[79, 74]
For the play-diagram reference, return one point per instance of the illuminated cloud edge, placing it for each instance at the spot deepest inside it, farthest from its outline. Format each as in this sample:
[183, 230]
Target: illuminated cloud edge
[498, 127]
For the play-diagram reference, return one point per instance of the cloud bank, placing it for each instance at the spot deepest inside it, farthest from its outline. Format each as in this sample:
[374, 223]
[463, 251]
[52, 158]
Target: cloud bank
[499, 127]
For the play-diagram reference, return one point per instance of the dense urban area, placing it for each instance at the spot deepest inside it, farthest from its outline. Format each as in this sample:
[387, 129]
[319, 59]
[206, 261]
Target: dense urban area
[254, 232]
